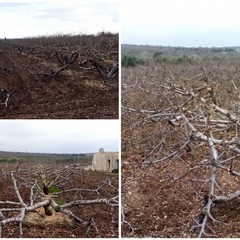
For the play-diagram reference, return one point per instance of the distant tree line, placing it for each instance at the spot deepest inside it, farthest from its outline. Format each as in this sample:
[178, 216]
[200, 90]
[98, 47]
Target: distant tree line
[214, 54]
[12, 157]
[131, 60]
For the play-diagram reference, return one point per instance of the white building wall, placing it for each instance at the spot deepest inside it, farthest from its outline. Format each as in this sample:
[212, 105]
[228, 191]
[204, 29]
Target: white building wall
[105, 161]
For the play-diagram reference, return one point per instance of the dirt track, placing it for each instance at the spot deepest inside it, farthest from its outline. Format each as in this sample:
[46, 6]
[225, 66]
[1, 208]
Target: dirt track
[65, 96]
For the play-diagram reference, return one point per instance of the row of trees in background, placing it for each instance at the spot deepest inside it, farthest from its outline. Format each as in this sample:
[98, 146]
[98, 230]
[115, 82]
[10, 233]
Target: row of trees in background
[134, 59]
[14, 157]
[131, 60]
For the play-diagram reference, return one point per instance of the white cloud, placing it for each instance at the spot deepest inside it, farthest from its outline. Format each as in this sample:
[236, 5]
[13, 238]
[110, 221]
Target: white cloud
[30, 18]
[61, 136]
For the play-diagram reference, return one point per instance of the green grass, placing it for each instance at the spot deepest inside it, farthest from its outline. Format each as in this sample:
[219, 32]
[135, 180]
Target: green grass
[59, 201]
[54, 189]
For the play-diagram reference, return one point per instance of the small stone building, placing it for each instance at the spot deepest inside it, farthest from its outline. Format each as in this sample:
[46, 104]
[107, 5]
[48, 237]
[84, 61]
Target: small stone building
[105, 161]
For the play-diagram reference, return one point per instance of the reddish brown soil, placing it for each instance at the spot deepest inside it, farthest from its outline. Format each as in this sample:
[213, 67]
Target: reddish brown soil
[159, 207]
[106, 217]
[65, 96]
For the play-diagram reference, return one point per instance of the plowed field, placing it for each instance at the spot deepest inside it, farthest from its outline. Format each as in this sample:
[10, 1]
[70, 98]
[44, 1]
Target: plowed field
[74, 93]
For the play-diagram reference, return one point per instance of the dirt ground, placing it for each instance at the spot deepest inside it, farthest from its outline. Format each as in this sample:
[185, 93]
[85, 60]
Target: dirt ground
[105, 217]
[158, 207]
[163, 199]
[74, 93]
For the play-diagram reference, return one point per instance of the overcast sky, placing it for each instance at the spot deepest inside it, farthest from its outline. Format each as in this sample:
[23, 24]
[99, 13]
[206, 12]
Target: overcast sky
[190, 23]
[23, 18]
[59, 136]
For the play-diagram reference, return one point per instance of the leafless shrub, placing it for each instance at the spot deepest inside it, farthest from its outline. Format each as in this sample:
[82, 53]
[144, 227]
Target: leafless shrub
[184, 123]
[66, 50]
[41, 186]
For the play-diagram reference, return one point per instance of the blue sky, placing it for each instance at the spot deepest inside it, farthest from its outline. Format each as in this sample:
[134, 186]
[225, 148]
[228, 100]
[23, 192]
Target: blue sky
[21, 18]
[189, 23]
[59, 136]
